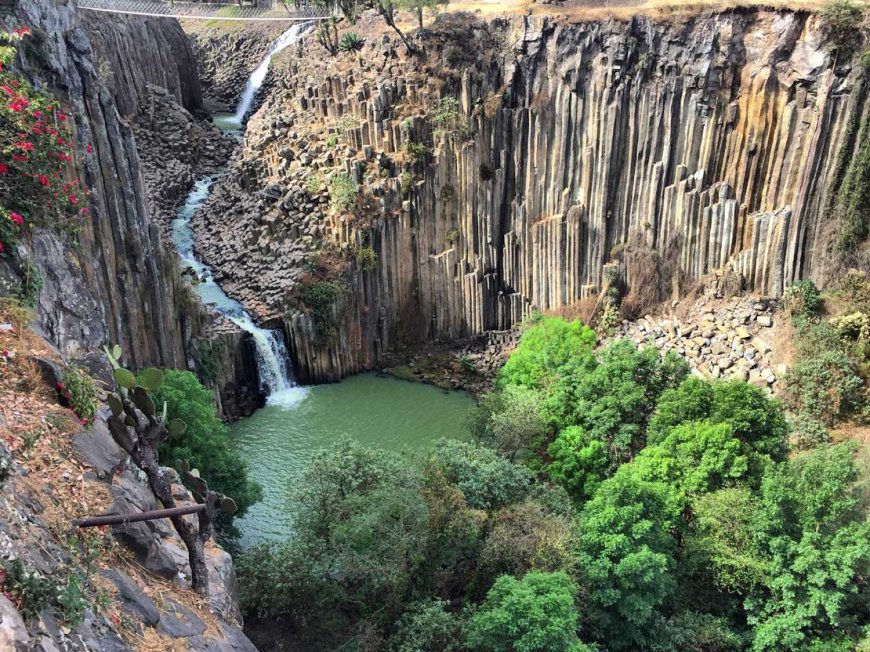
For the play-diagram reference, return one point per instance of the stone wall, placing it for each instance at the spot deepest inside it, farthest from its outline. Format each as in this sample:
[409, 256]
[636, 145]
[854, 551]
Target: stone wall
[711, 142]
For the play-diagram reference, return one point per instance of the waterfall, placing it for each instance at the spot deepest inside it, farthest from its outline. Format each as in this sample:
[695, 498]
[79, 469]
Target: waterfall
[273, 361]
[256, 79]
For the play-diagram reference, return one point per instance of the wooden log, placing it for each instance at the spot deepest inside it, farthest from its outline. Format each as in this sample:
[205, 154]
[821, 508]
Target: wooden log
[118, 519]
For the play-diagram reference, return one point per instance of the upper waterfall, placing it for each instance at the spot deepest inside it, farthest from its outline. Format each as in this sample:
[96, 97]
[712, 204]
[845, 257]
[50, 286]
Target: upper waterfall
[255, 81]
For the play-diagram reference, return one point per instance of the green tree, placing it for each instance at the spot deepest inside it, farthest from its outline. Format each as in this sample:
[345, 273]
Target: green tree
[535, 614]
[756, 420]
[487, 480]
[579, 463]
[614, 400]
[206, 441]
[428, 626]
[545, 350]
[509, 420]
[811, 527]
[627, 558]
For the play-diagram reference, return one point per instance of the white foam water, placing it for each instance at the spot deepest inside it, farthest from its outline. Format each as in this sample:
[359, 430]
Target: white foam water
[255, 81]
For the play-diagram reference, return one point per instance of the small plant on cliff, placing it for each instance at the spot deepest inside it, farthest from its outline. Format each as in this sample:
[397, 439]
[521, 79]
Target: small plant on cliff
[366, 258]
[27, 590]
[416, 151]
[841, 23]
[406, 181]
[313, 183]
[445, 117]
[453, 235]
[80, 392]
[343, 192]
[351, 42]
[327, 35]
[802, 300]
[324, 299]
[37, 187]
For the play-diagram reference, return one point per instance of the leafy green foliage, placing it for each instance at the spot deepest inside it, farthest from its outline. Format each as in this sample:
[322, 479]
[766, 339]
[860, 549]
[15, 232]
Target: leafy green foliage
[416, 151]
[509, 420]
[80, 392]
[840, 19]
[802, 299]
[343, 192]
[755, 419]
[812, 529]
[825, 386]
[579, 463]
[428, 627]
[366, 258]
[613, 399]
[445, 117]
[30, 592]
[205, 443]
[406, 180]
[627, 557]
[486, 479]
[544, 352]
[324, 299]
[535, 614]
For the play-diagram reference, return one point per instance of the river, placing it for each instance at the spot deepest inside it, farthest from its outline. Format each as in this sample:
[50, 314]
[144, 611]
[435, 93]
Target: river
[278, 440]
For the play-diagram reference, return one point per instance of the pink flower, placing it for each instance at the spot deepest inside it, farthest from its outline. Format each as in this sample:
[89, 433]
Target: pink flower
[15, 217]
[3, 169]
[44, 180]
[89, 149]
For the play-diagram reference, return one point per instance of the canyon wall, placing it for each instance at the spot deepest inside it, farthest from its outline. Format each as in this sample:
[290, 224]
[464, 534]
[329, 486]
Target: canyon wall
[710, 144]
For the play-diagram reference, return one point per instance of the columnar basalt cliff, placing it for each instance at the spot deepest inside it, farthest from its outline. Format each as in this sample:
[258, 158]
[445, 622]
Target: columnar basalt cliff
[712, 144]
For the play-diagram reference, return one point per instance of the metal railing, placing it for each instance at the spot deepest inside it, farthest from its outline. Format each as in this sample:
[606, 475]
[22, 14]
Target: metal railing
[244, 10]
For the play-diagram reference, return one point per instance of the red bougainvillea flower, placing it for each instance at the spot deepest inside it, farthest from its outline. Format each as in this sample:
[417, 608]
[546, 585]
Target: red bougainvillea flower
[25, 145]
[15, 217]
[89, 149]
[22, 31]
[44, 180]
[2, 247]
[3, 169]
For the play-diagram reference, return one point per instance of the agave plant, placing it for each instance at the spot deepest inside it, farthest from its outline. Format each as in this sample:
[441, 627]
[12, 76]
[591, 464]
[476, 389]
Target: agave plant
[351, 42]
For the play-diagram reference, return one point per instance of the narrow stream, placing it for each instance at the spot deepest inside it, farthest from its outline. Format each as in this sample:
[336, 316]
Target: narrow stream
[279, 440]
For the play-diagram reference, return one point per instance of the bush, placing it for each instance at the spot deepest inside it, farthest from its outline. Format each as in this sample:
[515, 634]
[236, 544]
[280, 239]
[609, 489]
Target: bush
[80, 392]
[323, 299]
[415, 151]
[579, 463]
[509, 420]
[840, 23]
[802, 299]
[351, 42]
[427, 627]
[452, 235]
[445, 117]
[825, 387]
[545, 352]
[206, 442]
[535, 614]
[37, 179]
[405, 182]
[807, 432]
[313, 183]
[343, 193]
[487, 480]
[366, 258]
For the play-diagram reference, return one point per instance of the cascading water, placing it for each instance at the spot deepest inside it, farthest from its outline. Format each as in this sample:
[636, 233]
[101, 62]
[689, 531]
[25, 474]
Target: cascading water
[255, 81]
[273, 361]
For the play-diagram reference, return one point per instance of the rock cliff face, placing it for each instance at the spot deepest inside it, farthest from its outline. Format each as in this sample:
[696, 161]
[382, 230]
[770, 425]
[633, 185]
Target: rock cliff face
[710, 145]
[116, 284]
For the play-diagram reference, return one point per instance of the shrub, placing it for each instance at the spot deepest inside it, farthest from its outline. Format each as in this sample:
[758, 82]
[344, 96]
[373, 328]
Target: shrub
[452, 235]
[445, 116]
[427, 627]
[343, 192]
[579, 463]
[535, 614]
[313, 183]
[545, 351]
[802, 299]
[366, 258]
[80, 392]
[487, 480]
[416, 151]
[323, 300]
[351, 42]
[206, 443]
[840, 22]
[28, 590]
[332, 141]
[825, 386]
[509, 420]
[37, 184]
[807, 432]
[405, 181]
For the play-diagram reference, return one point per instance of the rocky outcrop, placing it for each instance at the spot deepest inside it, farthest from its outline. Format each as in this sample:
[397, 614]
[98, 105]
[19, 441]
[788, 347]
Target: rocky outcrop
[712, 143]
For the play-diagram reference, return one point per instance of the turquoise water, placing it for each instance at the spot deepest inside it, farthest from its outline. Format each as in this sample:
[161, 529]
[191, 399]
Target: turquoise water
[381, 411]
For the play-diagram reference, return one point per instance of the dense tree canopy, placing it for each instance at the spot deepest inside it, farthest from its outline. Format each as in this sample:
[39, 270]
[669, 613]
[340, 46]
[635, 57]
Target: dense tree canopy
[610, 502]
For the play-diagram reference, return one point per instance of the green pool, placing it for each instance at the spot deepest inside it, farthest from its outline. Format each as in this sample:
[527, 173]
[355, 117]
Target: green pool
[278, 440]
